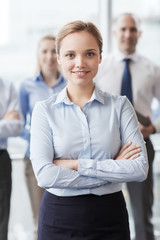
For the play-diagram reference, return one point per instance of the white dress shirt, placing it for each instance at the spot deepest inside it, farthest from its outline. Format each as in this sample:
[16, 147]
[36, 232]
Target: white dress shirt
[145, 80]
[94, 136]
[8, 101]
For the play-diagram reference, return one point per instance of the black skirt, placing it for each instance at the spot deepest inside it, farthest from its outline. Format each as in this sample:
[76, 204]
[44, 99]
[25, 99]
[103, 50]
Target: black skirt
[86, 217]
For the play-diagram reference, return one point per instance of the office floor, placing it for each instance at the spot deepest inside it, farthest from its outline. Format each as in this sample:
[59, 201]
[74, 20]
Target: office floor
[21, 223]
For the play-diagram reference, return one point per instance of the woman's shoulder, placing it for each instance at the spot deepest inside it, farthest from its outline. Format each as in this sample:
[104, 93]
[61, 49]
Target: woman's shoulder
[108, 96]
[44, 107]
[49, 101]
[26, 83]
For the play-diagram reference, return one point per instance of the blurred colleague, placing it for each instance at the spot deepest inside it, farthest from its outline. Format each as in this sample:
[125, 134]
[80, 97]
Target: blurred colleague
[11, 125]
[48, 81]
[128, 73]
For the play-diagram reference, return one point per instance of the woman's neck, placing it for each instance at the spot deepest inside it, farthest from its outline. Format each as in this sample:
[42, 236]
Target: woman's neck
[50, 78]
[80, 94]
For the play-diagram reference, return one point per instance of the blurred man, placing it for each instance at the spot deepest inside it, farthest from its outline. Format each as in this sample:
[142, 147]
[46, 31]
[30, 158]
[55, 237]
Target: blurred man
[10, 125]
[127, 73]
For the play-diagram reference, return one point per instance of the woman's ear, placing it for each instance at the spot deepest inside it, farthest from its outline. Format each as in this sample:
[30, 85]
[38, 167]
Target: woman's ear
[58, 59]
[100, 59]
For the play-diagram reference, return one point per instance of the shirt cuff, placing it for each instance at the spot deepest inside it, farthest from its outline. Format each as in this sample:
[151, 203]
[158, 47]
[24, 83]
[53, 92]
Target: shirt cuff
[87, 167]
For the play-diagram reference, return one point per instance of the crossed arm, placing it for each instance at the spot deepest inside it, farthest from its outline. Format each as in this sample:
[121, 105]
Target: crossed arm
[11, 124]
[11, 115]
[126, 152]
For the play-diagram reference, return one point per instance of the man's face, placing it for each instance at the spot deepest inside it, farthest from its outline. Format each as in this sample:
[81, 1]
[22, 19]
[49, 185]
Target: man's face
[127, 34]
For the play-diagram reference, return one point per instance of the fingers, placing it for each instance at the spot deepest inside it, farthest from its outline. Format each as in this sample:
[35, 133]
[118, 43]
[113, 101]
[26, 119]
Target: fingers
[135, 156]
[128, 151]
[131, 153]
[125, 147]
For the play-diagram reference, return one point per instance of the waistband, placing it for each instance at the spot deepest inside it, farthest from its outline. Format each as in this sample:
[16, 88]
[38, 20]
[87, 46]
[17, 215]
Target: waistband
[3, 150]
[81, 198]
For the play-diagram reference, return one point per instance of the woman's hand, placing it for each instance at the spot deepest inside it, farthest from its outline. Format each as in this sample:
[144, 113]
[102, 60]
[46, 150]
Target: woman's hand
[128, 151]
[67, 163]
[11, 115]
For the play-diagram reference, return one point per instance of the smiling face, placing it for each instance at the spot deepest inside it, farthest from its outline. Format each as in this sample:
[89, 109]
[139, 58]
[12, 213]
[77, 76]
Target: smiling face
[47, 56]
[79, 57]
[127, 34]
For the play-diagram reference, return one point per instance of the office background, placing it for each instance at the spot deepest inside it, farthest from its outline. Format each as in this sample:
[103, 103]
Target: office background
[22, 23]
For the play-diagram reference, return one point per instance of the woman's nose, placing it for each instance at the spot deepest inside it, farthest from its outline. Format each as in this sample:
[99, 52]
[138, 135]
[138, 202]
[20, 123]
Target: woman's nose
[80, 62]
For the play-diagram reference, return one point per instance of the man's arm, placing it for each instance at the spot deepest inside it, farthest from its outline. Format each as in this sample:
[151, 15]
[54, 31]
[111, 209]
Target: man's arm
[12, 122]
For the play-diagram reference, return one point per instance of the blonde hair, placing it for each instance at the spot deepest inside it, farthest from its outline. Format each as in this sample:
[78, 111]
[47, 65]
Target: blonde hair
[45, 37]
[78, 26]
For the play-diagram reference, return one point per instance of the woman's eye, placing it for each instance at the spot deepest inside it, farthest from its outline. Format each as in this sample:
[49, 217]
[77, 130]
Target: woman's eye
[90, 54]
[70, 55]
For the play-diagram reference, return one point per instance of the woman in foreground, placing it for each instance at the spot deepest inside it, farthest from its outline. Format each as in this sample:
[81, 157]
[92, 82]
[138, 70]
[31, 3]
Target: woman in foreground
[84, 144]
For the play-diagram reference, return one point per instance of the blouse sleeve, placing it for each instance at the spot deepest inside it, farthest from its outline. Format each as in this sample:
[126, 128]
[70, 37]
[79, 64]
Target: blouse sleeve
[119, 171]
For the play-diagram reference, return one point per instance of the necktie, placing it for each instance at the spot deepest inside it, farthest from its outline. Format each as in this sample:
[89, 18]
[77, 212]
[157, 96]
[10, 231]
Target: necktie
[126, 88]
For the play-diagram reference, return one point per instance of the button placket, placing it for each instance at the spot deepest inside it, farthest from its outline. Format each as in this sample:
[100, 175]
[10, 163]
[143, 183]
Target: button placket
[86, 134]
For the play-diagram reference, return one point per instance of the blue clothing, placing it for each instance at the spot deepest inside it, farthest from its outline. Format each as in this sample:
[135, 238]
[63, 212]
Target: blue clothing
[94, 136]
[33, 90]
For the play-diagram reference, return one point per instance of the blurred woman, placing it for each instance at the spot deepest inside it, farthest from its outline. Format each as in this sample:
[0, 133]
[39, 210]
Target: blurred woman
[48, 81]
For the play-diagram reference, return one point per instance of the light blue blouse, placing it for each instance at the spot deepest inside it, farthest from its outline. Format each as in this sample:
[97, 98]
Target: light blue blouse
[94, 136]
